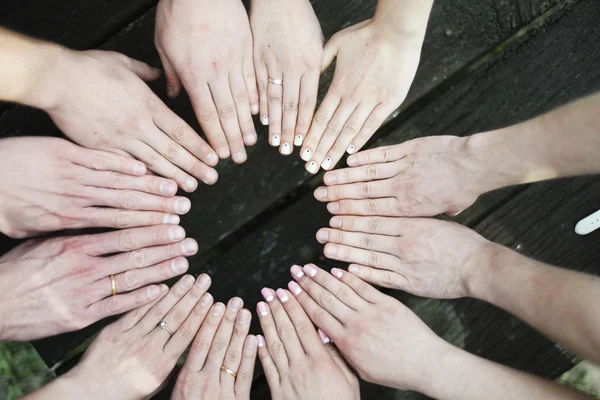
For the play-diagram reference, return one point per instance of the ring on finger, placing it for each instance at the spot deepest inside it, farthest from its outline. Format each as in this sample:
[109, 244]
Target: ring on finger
[113, 285]
[274, 81]
[163, 325]
[230, 372]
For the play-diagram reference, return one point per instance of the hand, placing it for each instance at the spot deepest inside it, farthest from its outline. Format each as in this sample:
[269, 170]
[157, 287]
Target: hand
[99, 100]
[49, 184]
[60, 285]
[420, 178]
[383, 340]
[207, 46]
[375, 68]
[425, 257]
[222, 341]
[288, 46]
[297, 365]
[131, 358]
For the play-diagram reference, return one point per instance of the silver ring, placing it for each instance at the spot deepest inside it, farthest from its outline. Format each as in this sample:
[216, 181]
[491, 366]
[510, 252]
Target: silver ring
[274, 81]
[163, 325]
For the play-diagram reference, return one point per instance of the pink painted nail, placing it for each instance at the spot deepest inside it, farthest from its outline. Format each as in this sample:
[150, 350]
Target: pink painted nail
[297, 271]
[310, 270]
[263, 309]
[294, 288]
[282, 295]
[267, 294]
[260, 340]
[353, 269]
[324, 338]
[337, 273]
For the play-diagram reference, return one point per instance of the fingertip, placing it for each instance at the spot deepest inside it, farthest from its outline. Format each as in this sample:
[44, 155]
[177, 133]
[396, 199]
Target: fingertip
[352, 161]
[322, 235]
[254, 109]
[251, 342]
[330, 178]
[354, 269]
[333, 207]
[139, 168]
[335, 222]
[210, 177]
[212, 159]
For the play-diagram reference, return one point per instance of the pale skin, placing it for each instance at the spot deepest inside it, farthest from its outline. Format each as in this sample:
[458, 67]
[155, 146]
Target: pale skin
[57, 285]
[446, 174]
[206, 48]
[388, 344]
[288, 46]
[376, 64]
[296, 363]
[99, 100]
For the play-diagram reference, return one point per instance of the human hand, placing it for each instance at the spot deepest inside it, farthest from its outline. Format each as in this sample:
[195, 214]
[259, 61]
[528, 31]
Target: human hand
[49, 184]
[59, 285]
[425, 257]
[422, 177]
[296, 363]
[206, 46]
[374, 70]
[222, 341]
[288, 46]
[384, 341]
[99, 100]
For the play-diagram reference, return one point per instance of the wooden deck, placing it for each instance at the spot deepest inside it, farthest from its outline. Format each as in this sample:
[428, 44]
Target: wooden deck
[485, 64]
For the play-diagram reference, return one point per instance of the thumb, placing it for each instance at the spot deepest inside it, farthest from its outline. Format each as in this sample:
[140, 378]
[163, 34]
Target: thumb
[173, 81]
[330, 52]
[143, 70]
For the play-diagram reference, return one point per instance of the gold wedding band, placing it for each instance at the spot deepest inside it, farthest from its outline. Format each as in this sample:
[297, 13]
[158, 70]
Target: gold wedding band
[113, 285]
[230, 372]
[274, 81]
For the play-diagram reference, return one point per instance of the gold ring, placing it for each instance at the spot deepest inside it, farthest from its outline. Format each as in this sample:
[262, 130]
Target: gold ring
[278, 82]
[230, 372]
[113, 285]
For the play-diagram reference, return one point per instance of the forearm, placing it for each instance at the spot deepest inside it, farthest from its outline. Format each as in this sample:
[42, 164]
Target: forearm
[561, 143]
[561, 304]
[405, 17]
[65, 388]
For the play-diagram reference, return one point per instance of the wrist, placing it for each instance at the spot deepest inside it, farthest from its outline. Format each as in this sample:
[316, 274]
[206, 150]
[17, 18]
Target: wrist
[407, 20]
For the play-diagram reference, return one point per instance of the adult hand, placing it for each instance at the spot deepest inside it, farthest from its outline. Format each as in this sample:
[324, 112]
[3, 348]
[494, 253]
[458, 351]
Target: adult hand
[49, 184]
[374, 70]
[222, 342]
[206, 46]
[423, 177]
[60, 285]
[288, 46]
[425, 257]
[99, 100]
[383, 340]
[296, 363]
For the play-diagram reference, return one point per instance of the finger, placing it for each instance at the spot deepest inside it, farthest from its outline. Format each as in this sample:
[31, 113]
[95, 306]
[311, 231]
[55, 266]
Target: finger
[217, 351]
[357, 275]
[105, 161]
[128, 239]
[250, 81]
[377, 225]
[359, 240]
[245, 373]
[317, 314]
[320, 122]
[330, 51]
[221, 93]
[356, 191]
[262, 77]
[96, 217]
[359, 256]
[171, 76]
[365, 173]
[136, 201]
[388, 206]
[130, 319]
[233, 356]
[274, 99]
[118, 181]
[204, 338]
[374, 122]
[291, 94]
[121, 303]
[274, 343]
[269, 367]
[386, 154]
[339, 361]
[285, 329]
[309, 90]
[143, 70]
[242, 104]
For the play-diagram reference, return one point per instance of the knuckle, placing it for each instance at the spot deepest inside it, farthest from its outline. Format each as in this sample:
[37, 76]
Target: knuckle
[387, 279]
[366, 241]
[231, 356]
[178, 131]
[128, 200]
[275, 99]
[130, 279]
[163, 272]
[308, 102]
[208, 115]
[318, 317]
[386, 155]
[320, 118]
[303, 328]
[218, 344]
[371, 207]
[290, 106]
[374, 224]
[372, 171]
[199, 345]
[152, 160]
[111, 306]
[276, 348]
[271, 371]
[288, 132]
[326, 299]
[124, 218]
[115, 181]
[158, 311]
[350, 130]
[127, 240]
[244, 377]
[284, 331]
[172, 151]
[98, 163]
[373, 258]
[226, 111]
[185, 333]
[229, 317]
[364, 190]
[342, 294]
[137, 259]
[240, 97]
[332, 129]
[177, 315]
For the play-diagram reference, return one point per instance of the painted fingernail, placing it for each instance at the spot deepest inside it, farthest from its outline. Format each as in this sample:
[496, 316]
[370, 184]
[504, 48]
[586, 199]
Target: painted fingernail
[310, 270]
[204, 281]
[353, 269]
[286, 149]
[235, 304]
[294, 288]
[182, 206]
[297, 271]
[266, 293]
[265, 120]
[335, 222]
[152, 292]
[210, 177]
[168, 188]
[333, 207]
[170, 91]
[187, 282]
[212, 159]
[250, 342]
[275, 141]
[189, 247]
[306, 155]
[330, 179]
[263, 309]
[205, 299]
[254, 109]
[260, 341]
[139, 169]
[171, 219]
[321, 194]
[190, 185]
[336, 272]
[312, 167]
[351, 149]
[176, 233]
[282, 295]
[243, 317]
[324, 338]
[218, 309]
[322, 236]
[330, 250]
[298, 140]
[326, 163]
[179, 266]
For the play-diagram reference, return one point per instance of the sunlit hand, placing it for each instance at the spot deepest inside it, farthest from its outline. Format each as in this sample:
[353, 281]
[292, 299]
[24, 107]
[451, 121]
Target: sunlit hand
[288, 46]
[206, 46]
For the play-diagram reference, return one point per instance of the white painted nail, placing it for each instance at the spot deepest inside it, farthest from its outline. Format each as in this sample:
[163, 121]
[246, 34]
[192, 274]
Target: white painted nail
[298, 141]
[286, 149]
[350, 149]
[312, 167]
[254, 109]
[306, 155]
[327, 163]
[265, 120]
[275, 141]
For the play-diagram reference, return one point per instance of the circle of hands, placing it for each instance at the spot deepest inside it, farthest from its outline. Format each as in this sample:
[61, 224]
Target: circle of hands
[136, 153]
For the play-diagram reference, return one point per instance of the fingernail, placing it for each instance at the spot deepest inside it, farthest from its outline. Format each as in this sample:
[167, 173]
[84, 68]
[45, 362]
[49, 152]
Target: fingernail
[353, 269]
[170, 91]
[306, 155]
[333, 207]
[254, 109]
[235, 304]
[321, 194]
[327, 163]
[204, 281]
[335, 222]
[298, 140]
[187, 282]
[153, 292]
[164, 288]
[260, 341]
[250, 342]
[282, 295]
[218, 309]
[171, 219]
[265, 120]
[330, 179]
[243, 317]
[182, 206]
[322, 236]
[250, 140]
[266, 293]
[176, 233]
[275, 141]
[210, 177]
[189, 247]
[310, 270]
[324, 338]
[139, 169]
[190, 185]
[352, 160]
[263, 309]
[205, 299]
[337, 273]
[294, 288]
[297, 271]
[223, 152]
[212, 159]
[240, 157]
[286, 149]
[351, 149]
[330, 250]
[168, 188]
[179, 266]
[312, 167]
